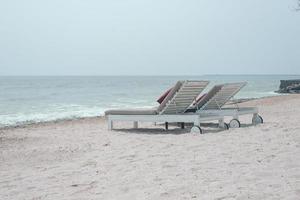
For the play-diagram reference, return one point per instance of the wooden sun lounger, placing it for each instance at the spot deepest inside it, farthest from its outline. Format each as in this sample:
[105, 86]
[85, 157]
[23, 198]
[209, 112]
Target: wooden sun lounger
[172, 109]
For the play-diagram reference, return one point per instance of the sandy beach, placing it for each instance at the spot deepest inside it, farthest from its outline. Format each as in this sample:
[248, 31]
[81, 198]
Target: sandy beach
[81, 159]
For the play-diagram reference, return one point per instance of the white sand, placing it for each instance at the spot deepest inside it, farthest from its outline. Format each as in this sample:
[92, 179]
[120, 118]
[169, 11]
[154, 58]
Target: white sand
[80, 159]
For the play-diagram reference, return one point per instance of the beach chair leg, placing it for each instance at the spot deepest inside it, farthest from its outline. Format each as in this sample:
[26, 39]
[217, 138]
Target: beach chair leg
[166, 125]
[257, 119]
[255, 115]
[182, 125]
[196, 128]
[221, 123]
[197, 122]
[135, 124]
[110, 124]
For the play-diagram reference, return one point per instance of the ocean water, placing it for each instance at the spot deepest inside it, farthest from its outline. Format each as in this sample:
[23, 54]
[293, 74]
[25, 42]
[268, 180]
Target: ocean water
[25, 100]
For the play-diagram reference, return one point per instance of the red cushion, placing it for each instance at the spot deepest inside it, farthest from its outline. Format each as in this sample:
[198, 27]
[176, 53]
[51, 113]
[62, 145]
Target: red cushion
[163, 96]
[199, 98]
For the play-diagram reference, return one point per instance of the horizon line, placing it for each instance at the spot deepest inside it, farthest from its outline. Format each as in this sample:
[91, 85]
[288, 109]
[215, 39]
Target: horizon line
[143, 75]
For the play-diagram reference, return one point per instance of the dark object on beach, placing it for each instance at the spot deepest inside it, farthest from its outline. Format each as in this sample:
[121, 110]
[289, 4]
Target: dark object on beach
[289, 86]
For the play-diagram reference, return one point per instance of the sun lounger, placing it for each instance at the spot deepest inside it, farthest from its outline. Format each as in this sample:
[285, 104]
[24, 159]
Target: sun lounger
[172, 109]
[213, 102]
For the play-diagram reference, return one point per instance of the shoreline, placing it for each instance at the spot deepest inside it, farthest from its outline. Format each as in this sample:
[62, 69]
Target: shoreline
[43, 123]
[50, 122]
[102, 117]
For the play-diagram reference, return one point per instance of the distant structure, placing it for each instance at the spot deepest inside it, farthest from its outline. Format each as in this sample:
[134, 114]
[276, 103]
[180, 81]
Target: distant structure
[289, 86]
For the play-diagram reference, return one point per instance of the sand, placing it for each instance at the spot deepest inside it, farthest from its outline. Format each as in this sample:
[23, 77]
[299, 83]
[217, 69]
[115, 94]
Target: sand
[80, 159]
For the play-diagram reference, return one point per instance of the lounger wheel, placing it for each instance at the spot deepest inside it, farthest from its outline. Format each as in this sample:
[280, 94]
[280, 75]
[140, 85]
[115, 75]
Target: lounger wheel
[234, 123]
[196, 130]
[257, 120]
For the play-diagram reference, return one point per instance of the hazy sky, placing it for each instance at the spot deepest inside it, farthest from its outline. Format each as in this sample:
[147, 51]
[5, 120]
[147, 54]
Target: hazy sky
[150, 37]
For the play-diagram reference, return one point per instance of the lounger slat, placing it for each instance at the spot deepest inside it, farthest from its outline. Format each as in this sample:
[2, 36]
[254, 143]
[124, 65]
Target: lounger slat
[174, 110]
[187, 93]
[186, 96]
[195, 89]
[191, 88]
[177, 107]
[183, 101]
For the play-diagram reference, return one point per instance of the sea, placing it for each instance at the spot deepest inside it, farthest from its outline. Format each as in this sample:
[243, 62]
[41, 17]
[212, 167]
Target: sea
[33, 99]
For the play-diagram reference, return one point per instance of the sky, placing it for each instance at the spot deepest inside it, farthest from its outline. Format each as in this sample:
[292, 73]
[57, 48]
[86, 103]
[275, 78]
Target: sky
[152, 37]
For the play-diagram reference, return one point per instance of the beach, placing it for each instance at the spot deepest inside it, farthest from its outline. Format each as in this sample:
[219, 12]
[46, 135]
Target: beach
[81, 159]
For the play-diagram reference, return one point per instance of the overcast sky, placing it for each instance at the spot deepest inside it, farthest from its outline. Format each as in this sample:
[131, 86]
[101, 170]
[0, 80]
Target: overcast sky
[150, 37]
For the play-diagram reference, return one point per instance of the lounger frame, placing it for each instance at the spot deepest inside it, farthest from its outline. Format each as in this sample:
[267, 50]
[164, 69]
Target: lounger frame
[194, 118]
[232, 112]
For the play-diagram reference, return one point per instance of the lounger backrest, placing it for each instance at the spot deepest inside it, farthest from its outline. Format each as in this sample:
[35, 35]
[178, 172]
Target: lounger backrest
[219, 95]
[207, 97]
[181, 97]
